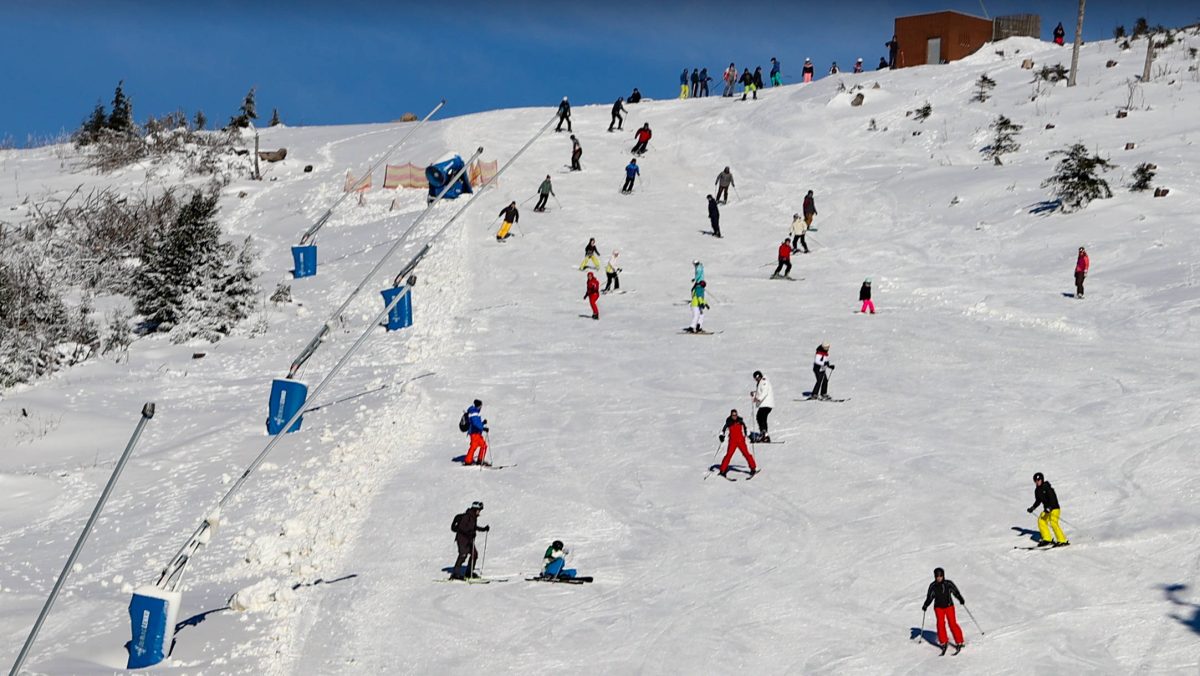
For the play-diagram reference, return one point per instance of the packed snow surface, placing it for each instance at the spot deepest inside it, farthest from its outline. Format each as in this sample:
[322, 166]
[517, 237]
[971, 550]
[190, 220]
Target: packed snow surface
[978, 371]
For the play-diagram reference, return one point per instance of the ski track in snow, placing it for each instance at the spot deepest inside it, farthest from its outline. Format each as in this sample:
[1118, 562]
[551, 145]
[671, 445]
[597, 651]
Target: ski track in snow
[976, 373]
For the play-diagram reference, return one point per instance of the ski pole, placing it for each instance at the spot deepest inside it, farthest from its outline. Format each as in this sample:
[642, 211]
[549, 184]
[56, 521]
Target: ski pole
[492, 225]
[714, 458]
[488, 437]
[922, 632]
[483, 559]
[556, 200]
[972, 616]
[735, 191]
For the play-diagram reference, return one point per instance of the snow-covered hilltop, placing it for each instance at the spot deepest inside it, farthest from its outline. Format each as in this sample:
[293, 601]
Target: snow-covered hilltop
[977, 371]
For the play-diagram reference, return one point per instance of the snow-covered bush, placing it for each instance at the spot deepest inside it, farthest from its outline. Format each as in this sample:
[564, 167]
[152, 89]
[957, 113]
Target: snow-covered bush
[1143, 175]
[1076, 181]
[984, 86]
[38, 333]
[921, 114]
[1004, 141]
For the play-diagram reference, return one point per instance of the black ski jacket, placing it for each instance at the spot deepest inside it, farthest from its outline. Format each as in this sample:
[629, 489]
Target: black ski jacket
[713, 212]
[510, 214]
[564, 109]
[465, 525]
[939, 594]
[1045, 496]
[864, 293]
[618, 108]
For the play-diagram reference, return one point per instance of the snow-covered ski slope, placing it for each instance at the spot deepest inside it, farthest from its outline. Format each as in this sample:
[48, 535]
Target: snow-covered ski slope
[977, 372]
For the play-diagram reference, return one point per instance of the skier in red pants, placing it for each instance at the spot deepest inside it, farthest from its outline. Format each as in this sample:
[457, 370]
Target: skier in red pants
[940, 591]
[593, 293]
[735, 427]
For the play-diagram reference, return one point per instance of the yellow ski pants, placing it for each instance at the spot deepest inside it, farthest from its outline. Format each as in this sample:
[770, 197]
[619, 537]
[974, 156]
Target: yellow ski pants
[1048, 521]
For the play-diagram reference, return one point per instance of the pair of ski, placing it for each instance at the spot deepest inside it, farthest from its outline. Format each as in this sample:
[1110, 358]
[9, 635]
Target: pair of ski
[1040, 548]
[476, 465]
[688, 331]
[830, 401]
[489, 580]
[726, 476]
[957, 648]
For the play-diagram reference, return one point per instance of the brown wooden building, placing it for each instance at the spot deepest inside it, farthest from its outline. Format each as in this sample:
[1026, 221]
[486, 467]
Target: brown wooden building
[939, 37]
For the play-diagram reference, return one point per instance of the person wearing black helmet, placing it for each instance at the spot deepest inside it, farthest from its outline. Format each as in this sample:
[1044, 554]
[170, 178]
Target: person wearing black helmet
[735, 427]
[1044, 495]
[939, 594]
[554, 560]
[465, 526]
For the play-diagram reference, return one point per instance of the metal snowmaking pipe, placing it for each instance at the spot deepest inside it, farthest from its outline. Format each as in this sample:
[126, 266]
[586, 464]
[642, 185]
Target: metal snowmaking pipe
[324, 330]
[172, 574]
[308, 234]
[147, 414]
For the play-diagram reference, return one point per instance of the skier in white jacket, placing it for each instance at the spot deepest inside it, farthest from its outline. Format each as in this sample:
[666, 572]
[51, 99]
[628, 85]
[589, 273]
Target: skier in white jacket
[764, 399]
[799, 228]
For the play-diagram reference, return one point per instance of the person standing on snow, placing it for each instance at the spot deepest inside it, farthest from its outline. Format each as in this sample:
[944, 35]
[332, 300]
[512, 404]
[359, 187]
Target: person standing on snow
[593, 293]
[714, 216]
[611, 270]
[864, 295]
[758, 80]
[807, 70]
[1044, 495]
[1059, 34]
[545, 190]
[785, 261]
[821, 368]
[576, 153]
[1082, 263]
[735, 428]
[776, 77]
[617, 109]
[591, 254]
[699, 305]
[631, 173]
[730, 77]
[810, 208]
[939, 594]
[704, 80]
[477, 427]
[683, 84]
[643, 139]
[893, 46]
[747, 81]
[799, 227]
[858, 65]
[695, 82]
[764, 399]
[465, 526]
[511, 215]
[724, 182]
[564, 114]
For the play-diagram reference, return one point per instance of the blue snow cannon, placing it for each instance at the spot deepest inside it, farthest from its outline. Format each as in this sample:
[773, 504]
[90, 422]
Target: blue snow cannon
[438, 174]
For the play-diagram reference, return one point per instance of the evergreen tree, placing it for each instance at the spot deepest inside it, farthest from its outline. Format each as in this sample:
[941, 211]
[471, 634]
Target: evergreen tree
[1004, 141]
[985, 86]
[246, 113]
[1143, 175]
[1075, 181]
[921, 114]
[92, 126]
[121, 118]
[275, 121]
[239, 293]
[1140, 27]
[175, 262]
[200, 121]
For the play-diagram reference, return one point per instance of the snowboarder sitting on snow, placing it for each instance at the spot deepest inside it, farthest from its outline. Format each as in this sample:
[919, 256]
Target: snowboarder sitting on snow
[554, 561]
[477, 427]
[611, 270]
[1082, 263]
[1045, 496]
[564, 114]
[465, 526]
[785, 260]
[883, 64]
[698, 307]
[764, 398]
[545, 190]
[735, 427]
[617, 109]
[576, 153]
[940, 591]
[631, 173]
[591, 254]
[724, 182]
[593, 293]
[799, 228]
[714, 216]
[635, 97]
[643, 139]
[511, 215]
[864, 295]
[821, 369]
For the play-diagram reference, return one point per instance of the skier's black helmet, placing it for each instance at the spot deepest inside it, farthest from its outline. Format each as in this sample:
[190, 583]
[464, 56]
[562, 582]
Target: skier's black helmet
[478, 403]
[1038, 477]
[557, 544]
[757, 375]
[477, 505]
[938, 572]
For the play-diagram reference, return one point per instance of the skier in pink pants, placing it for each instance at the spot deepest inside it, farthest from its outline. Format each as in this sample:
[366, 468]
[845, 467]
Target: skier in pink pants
[864, 294]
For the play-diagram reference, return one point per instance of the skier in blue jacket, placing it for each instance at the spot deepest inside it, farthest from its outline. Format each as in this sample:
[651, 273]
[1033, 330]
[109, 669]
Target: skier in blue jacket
[776, 80]
[631, 173]
[683, 84]
[477, 427]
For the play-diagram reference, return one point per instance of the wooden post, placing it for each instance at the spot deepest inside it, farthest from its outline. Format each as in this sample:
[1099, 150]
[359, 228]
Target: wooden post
[1149, 57]
[257, 172]
[1078, 44]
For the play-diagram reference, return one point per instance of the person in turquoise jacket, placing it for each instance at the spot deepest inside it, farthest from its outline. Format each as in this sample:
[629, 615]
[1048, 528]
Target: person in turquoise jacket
[699, 305]
[699, 272]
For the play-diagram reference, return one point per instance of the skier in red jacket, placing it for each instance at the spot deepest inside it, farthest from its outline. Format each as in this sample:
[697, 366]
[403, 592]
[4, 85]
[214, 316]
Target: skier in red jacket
[735, 427]
[643, 139]
[593, 294]
[785, 261]
[1081, 270]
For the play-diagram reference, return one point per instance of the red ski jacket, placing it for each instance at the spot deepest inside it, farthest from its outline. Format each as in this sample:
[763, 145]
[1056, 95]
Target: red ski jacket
[593, 286]
[643, 135]
[1081, 264]
[785, 252]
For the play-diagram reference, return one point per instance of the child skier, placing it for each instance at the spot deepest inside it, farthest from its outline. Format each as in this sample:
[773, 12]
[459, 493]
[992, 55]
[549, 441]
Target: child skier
[747, 81]
[698, 307]
[576, 153]
[735, 427]
[697, 272]
[593, 293]
[617, 109]
[564, 114]
[858, 65]
[821, 369]
[785, 261]
[807, 71]
[631, 173]
[714, 216]
[1044, 495]
[1082, 263]
[591, 254]
[799, 228]
[864, 295]
[724, 182]
[939, 594]
[611, 269]
[477, 427]
[643, 139]
[465, 526]
[545, 190]
[511, 215]
[764, 399]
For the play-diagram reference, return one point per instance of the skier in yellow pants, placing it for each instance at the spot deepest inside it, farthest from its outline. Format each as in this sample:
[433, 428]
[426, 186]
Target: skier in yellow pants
[1044, 495]
[511, 215]
[591, 254]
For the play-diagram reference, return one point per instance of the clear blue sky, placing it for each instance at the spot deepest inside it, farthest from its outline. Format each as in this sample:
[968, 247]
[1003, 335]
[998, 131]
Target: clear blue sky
[353, 61]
